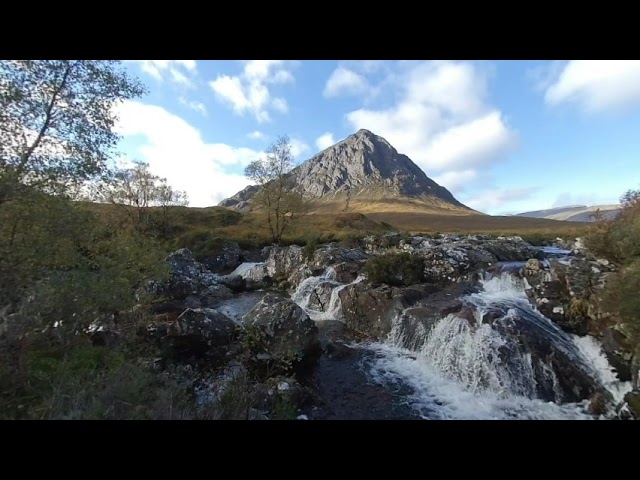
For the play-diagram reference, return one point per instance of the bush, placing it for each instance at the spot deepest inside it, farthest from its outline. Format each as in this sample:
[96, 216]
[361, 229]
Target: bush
[202, 243]
[400, 269]
[618, 240]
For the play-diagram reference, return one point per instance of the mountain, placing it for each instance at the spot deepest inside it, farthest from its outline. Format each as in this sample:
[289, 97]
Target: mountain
[364, 173]
[574, 213]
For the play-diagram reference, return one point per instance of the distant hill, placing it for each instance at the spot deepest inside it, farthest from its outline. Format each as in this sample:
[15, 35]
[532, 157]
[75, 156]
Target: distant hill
[574, 213]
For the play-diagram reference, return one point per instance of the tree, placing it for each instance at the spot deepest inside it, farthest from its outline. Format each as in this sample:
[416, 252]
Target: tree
[56, 122]
[137, 189]
[277, 196]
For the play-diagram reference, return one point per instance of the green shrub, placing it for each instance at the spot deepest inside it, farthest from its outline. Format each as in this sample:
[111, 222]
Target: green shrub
[400, 269]
[202, 243]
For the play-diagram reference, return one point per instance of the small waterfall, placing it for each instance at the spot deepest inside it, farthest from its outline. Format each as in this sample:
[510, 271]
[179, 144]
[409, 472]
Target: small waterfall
[309, 287]
[483, 369]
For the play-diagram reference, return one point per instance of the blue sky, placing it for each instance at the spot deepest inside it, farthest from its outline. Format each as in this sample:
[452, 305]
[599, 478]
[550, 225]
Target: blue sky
[503, 136]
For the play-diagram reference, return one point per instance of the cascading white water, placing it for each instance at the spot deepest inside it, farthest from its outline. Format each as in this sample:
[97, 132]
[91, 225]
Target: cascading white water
[591, 348]
[333, 309]
[457, 370]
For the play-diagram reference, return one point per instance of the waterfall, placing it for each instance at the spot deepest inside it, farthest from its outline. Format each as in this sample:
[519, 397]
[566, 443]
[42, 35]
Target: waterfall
[333, 308]
[483, 370]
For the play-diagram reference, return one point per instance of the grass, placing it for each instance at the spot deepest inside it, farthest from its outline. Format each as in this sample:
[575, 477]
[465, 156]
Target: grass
[201, 228]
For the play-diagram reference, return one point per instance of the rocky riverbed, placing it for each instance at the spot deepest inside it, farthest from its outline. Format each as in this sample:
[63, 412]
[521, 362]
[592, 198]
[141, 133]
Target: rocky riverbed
[498, 328]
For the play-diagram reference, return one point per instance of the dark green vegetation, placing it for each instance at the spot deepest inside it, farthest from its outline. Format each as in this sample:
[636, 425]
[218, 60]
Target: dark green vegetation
[399, 269]
[618, 240]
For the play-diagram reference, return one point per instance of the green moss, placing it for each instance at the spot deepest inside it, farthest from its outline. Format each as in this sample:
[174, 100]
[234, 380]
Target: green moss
[401, 269]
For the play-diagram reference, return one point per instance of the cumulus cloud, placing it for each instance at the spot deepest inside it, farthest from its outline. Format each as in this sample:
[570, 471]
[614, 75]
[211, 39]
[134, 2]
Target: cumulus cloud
[494, 199]
[194, 105]
[594, 85]
[177, 71]
[176, 150]
[250, 91]
[298, 148]
[256, 135]
[441, 119]
[325, 141]
[567, 199]
[457, 181]
[344, 81]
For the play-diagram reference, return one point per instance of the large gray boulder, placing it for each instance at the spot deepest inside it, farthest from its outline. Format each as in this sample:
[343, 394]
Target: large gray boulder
[279, 333]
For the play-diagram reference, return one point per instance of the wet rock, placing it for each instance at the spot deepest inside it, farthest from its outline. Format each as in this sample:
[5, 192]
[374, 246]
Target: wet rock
[598, 404]
[365, 309]
[226, 260]
[204, 325]
[236, 283]
[338, 350]
[279, 328]
[214, 294]
[256, 275]
[321, 296]
[632, 400]
[186, 277]
[373, 311]
[619, 352]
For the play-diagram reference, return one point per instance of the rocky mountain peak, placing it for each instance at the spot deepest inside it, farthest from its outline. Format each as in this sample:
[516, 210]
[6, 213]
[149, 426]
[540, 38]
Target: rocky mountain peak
[364, 165]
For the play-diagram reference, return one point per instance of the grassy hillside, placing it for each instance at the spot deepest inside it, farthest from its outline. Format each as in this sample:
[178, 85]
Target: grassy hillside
[192, 225]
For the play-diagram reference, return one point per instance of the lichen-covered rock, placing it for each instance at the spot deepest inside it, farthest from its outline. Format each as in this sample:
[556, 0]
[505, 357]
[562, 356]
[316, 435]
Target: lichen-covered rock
[236, 283]
[279, 332]
[321, 296]
[200, 333]
[372, 312]
[187, 277]
[226, 259]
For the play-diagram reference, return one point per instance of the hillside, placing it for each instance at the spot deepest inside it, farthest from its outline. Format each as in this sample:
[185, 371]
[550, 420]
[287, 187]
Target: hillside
[364, 173]
[574, 213]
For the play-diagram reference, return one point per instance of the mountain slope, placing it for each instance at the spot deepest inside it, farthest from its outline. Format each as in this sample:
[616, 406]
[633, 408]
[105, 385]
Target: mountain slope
[364, 173]
[574, 213]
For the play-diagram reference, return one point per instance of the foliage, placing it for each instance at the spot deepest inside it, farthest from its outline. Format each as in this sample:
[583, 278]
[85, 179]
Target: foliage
[56, 122]
[137, 190]
[619, 240]
[283, 408]
[395, 269]
[277, 198]
[202, 243]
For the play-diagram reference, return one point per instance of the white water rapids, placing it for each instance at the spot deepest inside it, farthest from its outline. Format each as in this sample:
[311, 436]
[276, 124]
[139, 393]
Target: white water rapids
[456, 370]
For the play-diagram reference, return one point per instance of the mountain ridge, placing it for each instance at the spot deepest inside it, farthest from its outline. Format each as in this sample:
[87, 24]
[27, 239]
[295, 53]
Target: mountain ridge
[361, 171]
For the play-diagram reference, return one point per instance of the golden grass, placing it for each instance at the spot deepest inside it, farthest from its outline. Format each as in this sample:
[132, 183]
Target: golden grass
[371, 218]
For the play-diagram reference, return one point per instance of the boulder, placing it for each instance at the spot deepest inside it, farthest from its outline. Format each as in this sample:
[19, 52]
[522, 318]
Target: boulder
[186, 277]
[201, 333]
[279, 333]
[226, 260]
[236, 283]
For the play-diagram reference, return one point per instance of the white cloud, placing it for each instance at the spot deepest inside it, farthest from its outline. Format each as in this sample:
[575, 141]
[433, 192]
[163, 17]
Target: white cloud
[178, 71]
[249, 92]
[174, 149]
[256, 135]
[567, 199]
[595, 85]
[441, 119]
[194, 105]
[456, 181]
[298, 148]
[491, 200]
[344, 81]
[325, 141]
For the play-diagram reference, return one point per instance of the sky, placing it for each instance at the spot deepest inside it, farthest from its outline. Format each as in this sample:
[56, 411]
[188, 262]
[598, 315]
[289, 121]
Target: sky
[503, 136]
